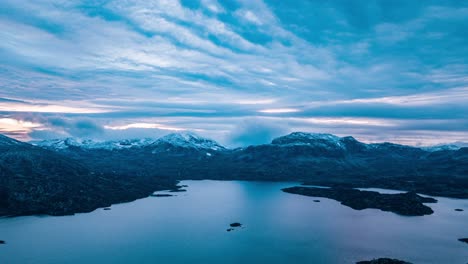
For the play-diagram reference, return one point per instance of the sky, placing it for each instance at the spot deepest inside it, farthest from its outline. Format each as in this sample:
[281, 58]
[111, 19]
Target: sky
[239, 71]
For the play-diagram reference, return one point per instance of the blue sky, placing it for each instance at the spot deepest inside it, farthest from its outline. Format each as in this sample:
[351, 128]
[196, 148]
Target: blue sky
[238, 71]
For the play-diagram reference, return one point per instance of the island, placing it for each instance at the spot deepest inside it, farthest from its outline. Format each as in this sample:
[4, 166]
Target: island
[2, 242]
[464, 240]
[233, 226]
[106, 209]
[459, 210]
[407, 204]
[236, 224]
[383, 261]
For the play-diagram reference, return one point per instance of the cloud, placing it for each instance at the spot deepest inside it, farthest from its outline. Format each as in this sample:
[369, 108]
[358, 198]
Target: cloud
[133, 133]
[84, 128]
[58, 127]
[46, 135]
[452, 96]
[14, 106]
[118, 66]
[255, 131]
[63, 127]
[144, 125]
[278, 110]
[249, 16]
[17, 127]
[213, 5]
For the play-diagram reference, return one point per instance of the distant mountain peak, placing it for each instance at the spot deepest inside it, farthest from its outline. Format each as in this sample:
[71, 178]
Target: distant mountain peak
[306, 138]
[449, 146]
[62, 144]
[321, 141]
[186, 140]
[189, 140]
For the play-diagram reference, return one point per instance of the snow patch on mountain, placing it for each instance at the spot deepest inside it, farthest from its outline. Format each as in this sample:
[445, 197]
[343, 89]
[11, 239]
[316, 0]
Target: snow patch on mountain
[189, 140]
[62, 144]
[450, 146]
[184, 140]
[312, 139]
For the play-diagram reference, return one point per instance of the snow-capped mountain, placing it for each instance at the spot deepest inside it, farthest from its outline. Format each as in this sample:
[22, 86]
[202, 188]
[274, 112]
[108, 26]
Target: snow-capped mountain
[301, 138]
[57, 144]
[451, 146]
[63, 144]
[189, 140]
[184, 140]
[318, 140]
[334, 143]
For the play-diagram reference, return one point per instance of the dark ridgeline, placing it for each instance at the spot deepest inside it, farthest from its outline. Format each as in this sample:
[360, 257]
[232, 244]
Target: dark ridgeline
[65, 177]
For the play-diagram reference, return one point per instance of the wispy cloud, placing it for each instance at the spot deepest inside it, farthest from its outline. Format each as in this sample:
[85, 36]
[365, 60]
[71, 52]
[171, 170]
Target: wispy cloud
[279, 110]
[144, 125]
[17, 127]
[44, 107]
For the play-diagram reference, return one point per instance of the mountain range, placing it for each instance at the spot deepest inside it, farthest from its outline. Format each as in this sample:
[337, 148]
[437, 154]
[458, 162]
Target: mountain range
[69, 175]
[188, 139]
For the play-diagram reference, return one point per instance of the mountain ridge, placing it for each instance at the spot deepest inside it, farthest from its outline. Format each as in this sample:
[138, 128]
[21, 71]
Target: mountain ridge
[187, 140]
[81, 179]
[193, 140]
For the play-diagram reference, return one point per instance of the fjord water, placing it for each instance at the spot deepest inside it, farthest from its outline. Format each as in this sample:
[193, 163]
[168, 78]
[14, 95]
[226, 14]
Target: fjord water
[278, 228]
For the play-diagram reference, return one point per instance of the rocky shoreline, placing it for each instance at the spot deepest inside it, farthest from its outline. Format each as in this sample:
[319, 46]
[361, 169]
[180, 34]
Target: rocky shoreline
[102, 192]
[383, 261]
[161, 195]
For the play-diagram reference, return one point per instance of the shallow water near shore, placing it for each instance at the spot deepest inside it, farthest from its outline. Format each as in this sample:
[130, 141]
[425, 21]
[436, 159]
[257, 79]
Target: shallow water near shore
[277, 228]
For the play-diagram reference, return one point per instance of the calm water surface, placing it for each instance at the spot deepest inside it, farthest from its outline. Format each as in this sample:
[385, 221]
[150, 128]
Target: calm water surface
[278, 228]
